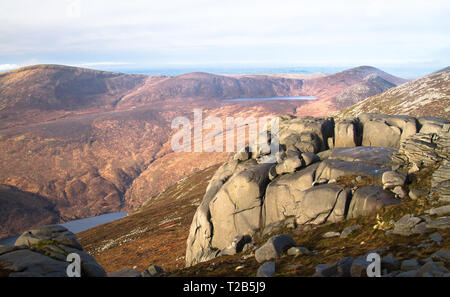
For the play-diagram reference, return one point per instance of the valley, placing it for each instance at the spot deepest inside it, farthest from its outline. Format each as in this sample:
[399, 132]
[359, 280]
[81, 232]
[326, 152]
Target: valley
[83, 139]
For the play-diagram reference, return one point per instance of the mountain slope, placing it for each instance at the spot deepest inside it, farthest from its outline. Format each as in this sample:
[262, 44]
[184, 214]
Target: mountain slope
[92, 142]
[52, 87]
[328, 87]
[427, 96]
[21, 210]
[370, 86]
[41, 89]
[210, 86]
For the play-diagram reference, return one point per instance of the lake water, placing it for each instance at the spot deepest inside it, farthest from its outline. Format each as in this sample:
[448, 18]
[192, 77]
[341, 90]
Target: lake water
[77, 226]
[269, 98]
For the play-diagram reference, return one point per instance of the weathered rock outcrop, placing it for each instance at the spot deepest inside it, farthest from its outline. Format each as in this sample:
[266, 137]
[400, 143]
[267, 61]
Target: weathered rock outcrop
[315, 177]
[306, 134]
[199, 247]
[429, 148]
[346, 134]
[236, 208]
[43, 252]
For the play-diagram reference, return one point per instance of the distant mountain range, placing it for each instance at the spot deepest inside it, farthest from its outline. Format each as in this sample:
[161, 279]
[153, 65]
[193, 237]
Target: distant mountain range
[90, 142]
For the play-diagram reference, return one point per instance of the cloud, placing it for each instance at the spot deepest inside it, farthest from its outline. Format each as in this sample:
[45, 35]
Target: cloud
[7, 67]
[155, 32]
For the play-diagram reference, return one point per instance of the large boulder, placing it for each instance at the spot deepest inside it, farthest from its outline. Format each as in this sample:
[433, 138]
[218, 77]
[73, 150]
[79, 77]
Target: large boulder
[301, 183]
[410, 224]
[43, 252]
[54, 233]
[273, 248]
[316, 205]
[432, 125]
[368, 200]
[308, 134]
[290, 164]
[236, 208]
[280, 200]
[392, 179]
[381, 134]
[26, 263]
[346, 134]
[230, 206]
[323, 203]
[356, 161]
[392, 125]
[285, 193]
[199, 247]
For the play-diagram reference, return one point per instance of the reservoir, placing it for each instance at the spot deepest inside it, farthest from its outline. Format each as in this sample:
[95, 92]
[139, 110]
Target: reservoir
[288, 98]
[77, 226]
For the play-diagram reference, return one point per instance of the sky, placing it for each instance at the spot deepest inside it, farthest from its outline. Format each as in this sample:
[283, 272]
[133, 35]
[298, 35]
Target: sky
[405, 36]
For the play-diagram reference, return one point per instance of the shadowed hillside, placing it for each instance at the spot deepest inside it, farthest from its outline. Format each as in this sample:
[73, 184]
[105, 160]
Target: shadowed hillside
[20, 210]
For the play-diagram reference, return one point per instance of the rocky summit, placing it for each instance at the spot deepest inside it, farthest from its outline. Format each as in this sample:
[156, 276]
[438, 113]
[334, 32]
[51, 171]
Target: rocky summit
[324, 172]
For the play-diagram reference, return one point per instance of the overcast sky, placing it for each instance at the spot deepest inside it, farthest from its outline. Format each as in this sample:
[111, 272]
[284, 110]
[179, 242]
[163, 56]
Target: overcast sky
[192, 33]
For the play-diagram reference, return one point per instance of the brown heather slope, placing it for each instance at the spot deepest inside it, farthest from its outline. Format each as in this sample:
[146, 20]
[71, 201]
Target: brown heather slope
[154, 234]
[83, 165]
[427, 96]
[208, 86]
[92, 142]
[43, 92]
[20, 208]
